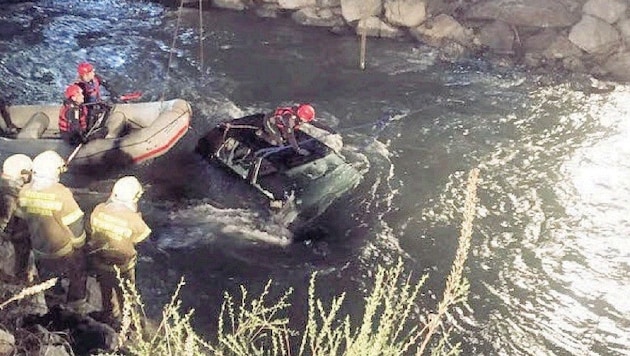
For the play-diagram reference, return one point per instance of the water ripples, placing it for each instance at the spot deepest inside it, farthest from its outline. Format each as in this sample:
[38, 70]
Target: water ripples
[549, 266]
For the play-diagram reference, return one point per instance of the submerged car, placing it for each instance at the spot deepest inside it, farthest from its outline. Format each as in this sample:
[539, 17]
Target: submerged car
[311, 182]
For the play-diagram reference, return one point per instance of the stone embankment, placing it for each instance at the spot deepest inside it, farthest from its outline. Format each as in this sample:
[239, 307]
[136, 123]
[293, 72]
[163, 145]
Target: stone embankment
[581, 36]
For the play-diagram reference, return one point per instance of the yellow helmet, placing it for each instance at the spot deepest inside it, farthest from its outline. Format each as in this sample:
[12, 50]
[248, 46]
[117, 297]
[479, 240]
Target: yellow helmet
[48, 164]
[17, 165]
[127, 189]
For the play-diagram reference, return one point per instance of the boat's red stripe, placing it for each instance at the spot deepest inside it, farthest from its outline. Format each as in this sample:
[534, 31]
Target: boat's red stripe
[164, 147]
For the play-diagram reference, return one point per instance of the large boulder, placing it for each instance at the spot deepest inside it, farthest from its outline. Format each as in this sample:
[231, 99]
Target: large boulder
[375, 27]
[229, 4]
[624, 30]
[498, 36]
[7, 343]
[328, 3]
[406, 13]
[594, 36]
[312, 16]
[267, 10]
[353, 10]
[531, 13]
[442, 29]
[561, 48]
[296, 4]
[540, 41]
[84, 334]
[608, 10]
[617, 66]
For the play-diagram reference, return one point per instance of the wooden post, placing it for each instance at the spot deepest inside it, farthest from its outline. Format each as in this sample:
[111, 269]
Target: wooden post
[363, 45]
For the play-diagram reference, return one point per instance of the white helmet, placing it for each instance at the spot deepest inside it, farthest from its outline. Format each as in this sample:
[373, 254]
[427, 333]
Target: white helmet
[127, 189]
[17, 165]
[48, 164]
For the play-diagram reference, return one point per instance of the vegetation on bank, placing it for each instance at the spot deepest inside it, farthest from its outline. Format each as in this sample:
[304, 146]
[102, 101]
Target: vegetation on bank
[260, 325]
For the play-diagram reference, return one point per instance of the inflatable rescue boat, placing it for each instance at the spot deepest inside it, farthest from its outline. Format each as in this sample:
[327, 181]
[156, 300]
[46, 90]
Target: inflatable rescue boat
[147, 130]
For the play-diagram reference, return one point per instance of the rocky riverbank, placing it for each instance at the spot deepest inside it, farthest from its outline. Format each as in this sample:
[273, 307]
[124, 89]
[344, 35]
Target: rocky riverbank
[584, 37]
[29, 327]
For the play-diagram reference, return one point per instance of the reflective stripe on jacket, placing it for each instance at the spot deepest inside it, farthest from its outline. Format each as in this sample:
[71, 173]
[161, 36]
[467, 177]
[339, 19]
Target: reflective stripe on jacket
[114, 230]
[48, 213]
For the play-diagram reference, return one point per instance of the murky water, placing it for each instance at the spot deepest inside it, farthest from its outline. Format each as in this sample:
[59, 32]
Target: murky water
[549, 265]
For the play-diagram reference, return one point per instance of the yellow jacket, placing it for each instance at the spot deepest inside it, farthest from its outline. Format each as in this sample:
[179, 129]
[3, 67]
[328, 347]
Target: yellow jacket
[114, 230]
[49, 212]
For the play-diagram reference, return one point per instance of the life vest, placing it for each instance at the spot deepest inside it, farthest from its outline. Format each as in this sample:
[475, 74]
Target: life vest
[91, 89]
[71, 114]
[287, 111]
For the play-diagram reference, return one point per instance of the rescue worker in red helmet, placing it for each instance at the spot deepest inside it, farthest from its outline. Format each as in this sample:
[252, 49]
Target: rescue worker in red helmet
[16, 171]
[281, 125]
[114, 228]
[91, 84]
[55, 223]
[73, 116]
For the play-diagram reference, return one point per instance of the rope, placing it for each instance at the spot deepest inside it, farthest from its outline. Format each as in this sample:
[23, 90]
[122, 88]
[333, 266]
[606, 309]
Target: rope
[264, 152]
[200, 36]
[170, 55]
[378, 126]
[230, 126]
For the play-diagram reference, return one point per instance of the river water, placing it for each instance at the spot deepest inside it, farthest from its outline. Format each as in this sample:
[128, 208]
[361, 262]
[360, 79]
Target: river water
[550, 258]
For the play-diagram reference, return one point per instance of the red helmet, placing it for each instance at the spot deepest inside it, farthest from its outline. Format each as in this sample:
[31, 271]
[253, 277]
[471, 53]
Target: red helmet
[85, 68]
[72, 90]
[306, 112]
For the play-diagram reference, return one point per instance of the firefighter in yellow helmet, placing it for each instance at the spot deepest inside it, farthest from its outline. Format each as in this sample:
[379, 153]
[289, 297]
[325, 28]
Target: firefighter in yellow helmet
[114, 228]
[16, 171]
[55, 223]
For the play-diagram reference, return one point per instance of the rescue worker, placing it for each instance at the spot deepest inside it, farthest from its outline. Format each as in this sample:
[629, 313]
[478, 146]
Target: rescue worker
[114, 228]
[280, 127]
[91, 84]
[11, 129]
[16, 171]
[73, 122]
[55, 223]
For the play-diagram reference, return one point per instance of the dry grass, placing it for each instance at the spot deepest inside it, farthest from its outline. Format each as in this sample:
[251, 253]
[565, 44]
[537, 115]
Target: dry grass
[174, 335]
[457, 287]
[254, 328]
[384, 328]
[29, 291]
[260, 326]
